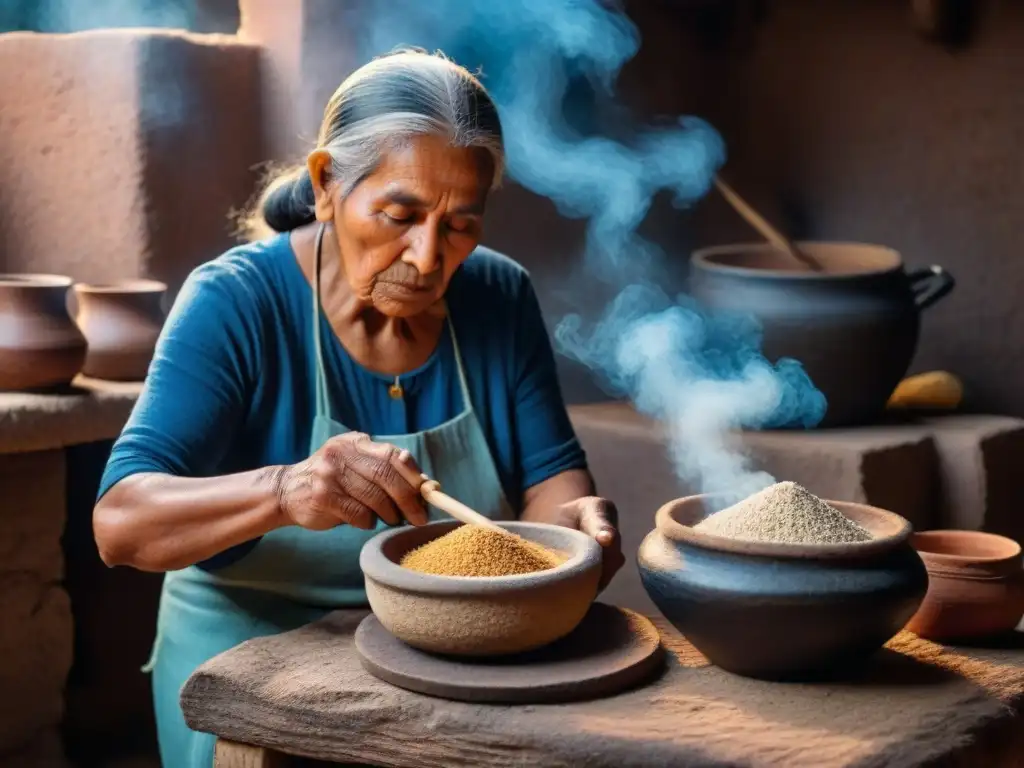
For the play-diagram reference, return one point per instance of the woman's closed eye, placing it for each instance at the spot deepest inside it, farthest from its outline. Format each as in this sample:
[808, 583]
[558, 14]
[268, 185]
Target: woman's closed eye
[397, 216]
[460, 224]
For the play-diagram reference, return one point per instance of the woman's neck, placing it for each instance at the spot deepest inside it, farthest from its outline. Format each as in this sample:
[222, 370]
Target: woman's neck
[383, 344]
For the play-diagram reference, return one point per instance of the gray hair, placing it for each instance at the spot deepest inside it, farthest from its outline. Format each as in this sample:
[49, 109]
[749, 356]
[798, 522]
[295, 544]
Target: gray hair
[383, 103]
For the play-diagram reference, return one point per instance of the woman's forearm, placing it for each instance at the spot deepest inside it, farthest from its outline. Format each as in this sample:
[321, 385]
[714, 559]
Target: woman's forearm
[541, 502]
[157, 522]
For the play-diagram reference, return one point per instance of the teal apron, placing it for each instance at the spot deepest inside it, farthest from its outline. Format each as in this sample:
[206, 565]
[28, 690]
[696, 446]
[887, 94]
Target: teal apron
[294, 576]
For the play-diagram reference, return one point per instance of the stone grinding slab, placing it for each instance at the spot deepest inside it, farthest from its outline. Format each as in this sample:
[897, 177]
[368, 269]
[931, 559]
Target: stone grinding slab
[306, 693]
[611, 650]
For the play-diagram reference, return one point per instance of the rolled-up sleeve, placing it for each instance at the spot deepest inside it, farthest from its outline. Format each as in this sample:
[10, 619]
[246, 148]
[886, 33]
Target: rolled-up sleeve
[199, 383]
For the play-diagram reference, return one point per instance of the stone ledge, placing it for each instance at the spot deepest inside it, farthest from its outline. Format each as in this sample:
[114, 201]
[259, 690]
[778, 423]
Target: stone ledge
[96, 410]
[957, 471]
[132, 118]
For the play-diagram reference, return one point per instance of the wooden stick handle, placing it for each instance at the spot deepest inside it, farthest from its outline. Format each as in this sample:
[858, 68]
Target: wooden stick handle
[758, 222]
[430, 490]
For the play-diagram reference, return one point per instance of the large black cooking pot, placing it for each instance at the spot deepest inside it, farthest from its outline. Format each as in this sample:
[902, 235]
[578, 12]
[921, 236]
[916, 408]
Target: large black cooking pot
[854, 325]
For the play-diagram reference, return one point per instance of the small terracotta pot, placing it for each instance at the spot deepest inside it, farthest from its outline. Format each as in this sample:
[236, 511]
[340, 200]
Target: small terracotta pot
[976, 585]
[40, 346]
[122, 322]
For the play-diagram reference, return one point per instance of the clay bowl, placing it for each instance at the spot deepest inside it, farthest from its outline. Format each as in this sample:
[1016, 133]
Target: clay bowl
[484, 616]
[975, 585]
[782, 611]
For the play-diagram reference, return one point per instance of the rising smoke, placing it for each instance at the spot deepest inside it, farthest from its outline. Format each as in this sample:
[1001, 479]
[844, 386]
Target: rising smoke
[701, 376]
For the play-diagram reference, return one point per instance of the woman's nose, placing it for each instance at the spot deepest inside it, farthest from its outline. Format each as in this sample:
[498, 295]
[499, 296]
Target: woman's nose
[424, 250]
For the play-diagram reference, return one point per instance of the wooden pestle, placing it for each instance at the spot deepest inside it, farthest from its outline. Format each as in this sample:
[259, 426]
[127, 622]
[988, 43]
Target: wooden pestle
[430, 490]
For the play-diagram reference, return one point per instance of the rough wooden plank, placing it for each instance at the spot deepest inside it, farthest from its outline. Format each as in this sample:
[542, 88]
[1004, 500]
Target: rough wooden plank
[305, 693]
[233, 754]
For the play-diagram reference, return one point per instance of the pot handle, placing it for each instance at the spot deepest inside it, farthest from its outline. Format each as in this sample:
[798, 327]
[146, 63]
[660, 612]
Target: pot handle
[929, 284]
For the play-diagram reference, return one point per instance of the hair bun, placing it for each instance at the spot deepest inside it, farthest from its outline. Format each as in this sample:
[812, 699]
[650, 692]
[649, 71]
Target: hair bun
[288, 204]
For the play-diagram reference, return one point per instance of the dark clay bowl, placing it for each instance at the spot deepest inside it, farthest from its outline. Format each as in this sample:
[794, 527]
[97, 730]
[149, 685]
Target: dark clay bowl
[782, 611]
[480, 616]
[975, 585]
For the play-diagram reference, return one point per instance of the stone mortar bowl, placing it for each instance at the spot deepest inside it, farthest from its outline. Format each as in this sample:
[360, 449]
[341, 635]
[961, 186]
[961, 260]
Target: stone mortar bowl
[782, 611]
[480, 616]
[975, 585]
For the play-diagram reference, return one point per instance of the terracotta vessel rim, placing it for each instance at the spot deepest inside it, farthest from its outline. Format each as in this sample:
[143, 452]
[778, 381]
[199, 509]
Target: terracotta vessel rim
[34, 280]
[889, 531]
[585, 553]
[967, 538]
[122, 286]
[706, 259]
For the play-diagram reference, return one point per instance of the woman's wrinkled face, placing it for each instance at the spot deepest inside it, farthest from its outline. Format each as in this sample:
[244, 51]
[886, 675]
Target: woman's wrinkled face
[404, 229]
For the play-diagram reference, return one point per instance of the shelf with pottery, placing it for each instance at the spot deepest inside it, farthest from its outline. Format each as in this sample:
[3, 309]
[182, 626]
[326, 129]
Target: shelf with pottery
[66, 377]
[49, 405]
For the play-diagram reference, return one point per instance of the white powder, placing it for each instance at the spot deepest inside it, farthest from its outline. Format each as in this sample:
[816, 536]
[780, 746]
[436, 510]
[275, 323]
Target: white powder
[784, 513]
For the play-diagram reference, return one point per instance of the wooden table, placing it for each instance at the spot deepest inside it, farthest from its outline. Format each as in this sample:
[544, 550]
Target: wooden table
[304, 693]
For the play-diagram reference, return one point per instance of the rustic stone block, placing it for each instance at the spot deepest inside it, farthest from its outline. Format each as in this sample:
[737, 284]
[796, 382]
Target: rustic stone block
[97, 410]
[980, 458]
[35, 657]
[32, 514]
[124, 150]
[890, 466]
[956, 471]
[893, 467]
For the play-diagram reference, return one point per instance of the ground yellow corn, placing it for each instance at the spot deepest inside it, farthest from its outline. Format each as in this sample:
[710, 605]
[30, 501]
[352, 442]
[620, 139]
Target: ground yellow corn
[473, 550]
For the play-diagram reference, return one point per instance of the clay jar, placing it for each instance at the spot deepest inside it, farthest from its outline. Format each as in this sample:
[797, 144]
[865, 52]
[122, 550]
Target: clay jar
[976, 585]
[40, 346]
[854, 326]
[122, 322]
[782, 611]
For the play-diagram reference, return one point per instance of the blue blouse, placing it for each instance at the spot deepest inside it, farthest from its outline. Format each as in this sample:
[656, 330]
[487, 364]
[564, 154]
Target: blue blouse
[231, 385]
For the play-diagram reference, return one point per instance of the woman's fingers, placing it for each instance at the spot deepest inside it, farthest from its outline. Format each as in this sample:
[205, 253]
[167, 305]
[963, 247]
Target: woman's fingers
[364, 465]
[598, 518]
[362, 491]
[345, 507]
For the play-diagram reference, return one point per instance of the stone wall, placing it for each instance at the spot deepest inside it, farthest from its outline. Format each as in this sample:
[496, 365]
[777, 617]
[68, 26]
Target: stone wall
[124, 150]
[841, 123]
[37, 632]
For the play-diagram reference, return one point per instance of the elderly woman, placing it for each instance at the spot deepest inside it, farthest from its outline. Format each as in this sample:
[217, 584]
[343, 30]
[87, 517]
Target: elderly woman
[304, 382]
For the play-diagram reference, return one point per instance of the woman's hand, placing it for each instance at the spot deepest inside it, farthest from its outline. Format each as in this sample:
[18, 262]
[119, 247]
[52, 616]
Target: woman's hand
[353, 481]
[598, 518]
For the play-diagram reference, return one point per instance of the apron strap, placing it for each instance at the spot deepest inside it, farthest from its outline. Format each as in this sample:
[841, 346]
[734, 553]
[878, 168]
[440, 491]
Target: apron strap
[323, 407]
[466, 399]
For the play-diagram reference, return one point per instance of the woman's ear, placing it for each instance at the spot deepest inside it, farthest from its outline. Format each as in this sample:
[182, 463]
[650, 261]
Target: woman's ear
[319, 165]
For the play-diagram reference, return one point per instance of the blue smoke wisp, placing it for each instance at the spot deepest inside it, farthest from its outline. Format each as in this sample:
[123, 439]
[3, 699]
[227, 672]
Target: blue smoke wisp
[701, 376]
